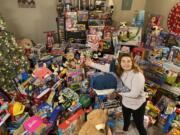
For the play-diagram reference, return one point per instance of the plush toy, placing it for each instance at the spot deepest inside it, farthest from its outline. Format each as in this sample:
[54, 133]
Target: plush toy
[26, 45]
[156, 30]
[96, 123]
[123, 24]
[110, 4]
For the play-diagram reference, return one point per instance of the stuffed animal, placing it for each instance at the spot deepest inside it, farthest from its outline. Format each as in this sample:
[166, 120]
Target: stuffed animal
[26, 45]
[156, 30]
[96, 123]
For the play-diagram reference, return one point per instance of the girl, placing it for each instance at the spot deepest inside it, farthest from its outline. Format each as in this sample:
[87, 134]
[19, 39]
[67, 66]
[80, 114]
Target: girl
[133, 102]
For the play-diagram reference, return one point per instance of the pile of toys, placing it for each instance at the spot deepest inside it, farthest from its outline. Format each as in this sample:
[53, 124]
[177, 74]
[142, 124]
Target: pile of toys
[160, 62]
[57, 96]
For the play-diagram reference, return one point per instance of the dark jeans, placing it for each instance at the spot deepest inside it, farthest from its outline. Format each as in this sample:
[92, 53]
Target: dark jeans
[138, 116]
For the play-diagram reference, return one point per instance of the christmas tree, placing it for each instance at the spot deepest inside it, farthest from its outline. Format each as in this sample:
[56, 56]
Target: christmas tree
[12, 59]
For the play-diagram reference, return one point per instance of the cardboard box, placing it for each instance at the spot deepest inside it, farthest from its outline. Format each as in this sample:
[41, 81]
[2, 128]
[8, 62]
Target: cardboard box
[72, 125]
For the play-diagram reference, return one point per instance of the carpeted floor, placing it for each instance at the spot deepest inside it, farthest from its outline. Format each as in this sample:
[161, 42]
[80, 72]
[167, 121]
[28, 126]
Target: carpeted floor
[154, 130]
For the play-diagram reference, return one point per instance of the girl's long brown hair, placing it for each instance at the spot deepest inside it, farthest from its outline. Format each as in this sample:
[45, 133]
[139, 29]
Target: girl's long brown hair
[119, 70]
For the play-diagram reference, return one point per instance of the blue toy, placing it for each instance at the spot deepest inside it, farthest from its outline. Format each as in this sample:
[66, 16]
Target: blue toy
[23, 77]
[170, 119]
[55, 114]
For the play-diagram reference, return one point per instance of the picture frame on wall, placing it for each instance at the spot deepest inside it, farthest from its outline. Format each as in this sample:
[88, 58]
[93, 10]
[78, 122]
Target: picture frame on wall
[26, 3]
[126, 4]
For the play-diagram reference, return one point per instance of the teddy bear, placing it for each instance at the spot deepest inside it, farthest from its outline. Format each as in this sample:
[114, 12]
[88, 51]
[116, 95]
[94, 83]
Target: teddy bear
[96, 123]
[27, 45]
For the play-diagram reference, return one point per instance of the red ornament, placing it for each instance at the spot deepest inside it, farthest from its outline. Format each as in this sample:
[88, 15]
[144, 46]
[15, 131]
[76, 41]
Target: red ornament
[173, 21]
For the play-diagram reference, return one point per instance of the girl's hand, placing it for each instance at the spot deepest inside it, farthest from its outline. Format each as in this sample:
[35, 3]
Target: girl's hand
[112, 95]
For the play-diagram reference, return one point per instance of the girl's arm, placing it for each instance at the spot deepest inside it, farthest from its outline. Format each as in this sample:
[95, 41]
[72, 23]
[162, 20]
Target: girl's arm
[103, 68]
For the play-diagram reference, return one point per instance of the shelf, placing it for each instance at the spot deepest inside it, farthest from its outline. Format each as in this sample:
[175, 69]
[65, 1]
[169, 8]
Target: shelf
[174, 90]
[128, 44]
[170, 89]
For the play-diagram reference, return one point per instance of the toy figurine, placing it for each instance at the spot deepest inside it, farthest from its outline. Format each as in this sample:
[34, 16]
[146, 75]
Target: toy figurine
[49, 40]
[24, 76]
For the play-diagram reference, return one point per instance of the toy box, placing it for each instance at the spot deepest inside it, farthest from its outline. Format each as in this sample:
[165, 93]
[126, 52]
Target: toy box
[93, 41]
[159, 53]
[163, 103]
[74, 78]
[174, 55]
[70, 94]
[106, 47]
[35, 125]
[138, 54]
[81, 27]
[130, 35]
[73, 124]
[96, 23]
[152, 110]
[138, 19]
[154, 75]
[82, 16]
[172, 72]
[71, 21]
[4, 114]
[97, 14]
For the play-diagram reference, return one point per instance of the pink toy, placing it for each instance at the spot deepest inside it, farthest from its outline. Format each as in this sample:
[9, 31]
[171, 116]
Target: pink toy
[41, 73]
[33, 123]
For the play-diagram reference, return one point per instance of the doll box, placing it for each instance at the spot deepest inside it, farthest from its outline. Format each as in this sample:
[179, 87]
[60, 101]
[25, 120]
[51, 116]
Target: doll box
[74, 77]
[174, 55]
[172, 72]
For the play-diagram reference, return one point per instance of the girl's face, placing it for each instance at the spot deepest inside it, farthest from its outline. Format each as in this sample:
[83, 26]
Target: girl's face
[126, 63]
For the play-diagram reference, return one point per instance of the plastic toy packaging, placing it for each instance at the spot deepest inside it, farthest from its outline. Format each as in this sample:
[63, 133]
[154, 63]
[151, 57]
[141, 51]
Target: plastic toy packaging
[172, 72]
[35, 125]
[74, 78]
[82, 16]
[4, 114]
[71, 21]
[68, 98]
[174, 55]
[92, 41]
[138, 54]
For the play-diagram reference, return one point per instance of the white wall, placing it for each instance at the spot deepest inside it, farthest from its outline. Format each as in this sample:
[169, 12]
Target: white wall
[126, 15]
[32, 22]
[160, 7]
[29, 22]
